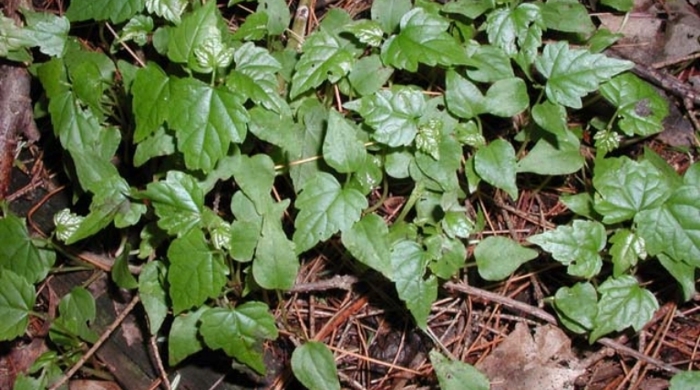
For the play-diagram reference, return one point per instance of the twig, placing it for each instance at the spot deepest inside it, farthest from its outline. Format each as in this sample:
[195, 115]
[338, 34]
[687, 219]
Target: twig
[543, 315]
[105, 335]
[338, 282]
[159, 364]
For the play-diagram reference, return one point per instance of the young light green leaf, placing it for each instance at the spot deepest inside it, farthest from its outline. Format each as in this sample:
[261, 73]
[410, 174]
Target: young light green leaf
[196, 272]
[116, 11]
[368, 75]
[136, 30]
[255, 77]
[623, 302]
[495, 164]
[314, 366]
[627, 248]
[575, 246]
[323, 58]
[673, 228]
[567, 154]
[498, 257]
[212, 54]
[393, 114]
[66, 224]
[577, 307]
[423, 39]
[567, 16]
[170, 10]
[178, 202]
[573, 73]
[151, 100]
[508, 28]
[240, 332]
[183, 339]
[342, 150]
[19, 254]
[275, 266]
[324, 209]
[207, 119]
[366, 31]
[625, 187]
[429, 137]
[16, 302]
[278, 15]
[409, 261]
[47, 31]
[642, 109]
[457, 375]
[686, 380]
[153, 294]
[683, 272]
[388, 13]
[367, 240]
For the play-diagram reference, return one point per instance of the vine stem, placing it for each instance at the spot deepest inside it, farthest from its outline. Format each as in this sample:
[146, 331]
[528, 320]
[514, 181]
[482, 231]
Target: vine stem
[415, 195]
[105, 335]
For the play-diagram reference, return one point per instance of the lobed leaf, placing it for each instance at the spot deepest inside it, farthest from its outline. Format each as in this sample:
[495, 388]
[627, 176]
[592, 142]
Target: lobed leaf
[642, 109]
[323, 58]
[623, 302]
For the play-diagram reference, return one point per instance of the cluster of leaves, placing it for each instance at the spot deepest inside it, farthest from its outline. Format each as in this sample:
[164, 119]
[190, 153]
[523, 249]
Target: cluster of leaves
[209, 106]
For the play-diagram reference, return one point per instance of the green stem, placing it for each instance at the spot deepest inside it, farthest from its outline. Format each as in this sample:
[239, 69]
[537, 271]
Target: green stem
[298, 32]
[415, 195]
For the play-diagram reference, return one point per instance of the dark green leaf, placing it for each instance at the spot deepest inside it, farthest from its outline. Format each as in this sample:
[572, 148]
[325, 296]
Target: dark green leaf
[509, 28]
[496, 165]
[627, 248]
[116, 11]
[409, 261]
[623, 302]
[567, 16]
[151, 100]
[178, 201]
[170, 10]
[388, 13]
[16, 302]
[196, 272]
[196, 27]
[121, 274]
[342, 149]
[152, 292]
[324, 58]
[367, 240]
[642, 109]
[684, 274]
[457, 375]
[276, 265]
[240, 332]
[183, 339]
[566, 153]
[314, 366]
[76, 309]
[498, 257]
[278, 15]
[255, 77]
[577, 306]
[368, 75]
[19, 254]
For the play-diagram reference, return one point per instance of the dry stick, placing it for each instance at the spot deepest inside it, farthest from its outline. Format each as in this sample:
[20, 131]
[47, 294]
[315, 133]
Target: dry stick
[543, 315]
[105, 335]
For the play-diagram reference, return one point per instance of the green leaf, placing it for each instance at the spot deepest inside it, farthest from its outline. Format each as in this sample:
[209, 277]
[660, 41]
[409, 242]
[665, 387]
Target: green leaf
[254, 28]
[240, 332]
[369, 176]
[368, 75]
[620, 5]
[19, 254]
[138, 29]
[566, 153]
[625, 187]
[367, 241]
[472, 9]
[156, 145]
[577, 307]
[567, 16]
[683, 273]
[491, 63]
[552, 118]
[323, 58]
[388, 13]
[506, 97]
[278, 15]
[275, 266]
[495, 164]
[366, 31]
[626, 249]
[244, 239]
[457, 224]
[16, 302]
[212, 54]
[498, 257]
[196, 27]
[324, 209]
[264, 124]
[409, 261]
[508, 28]
[393, 114]
[673, 228]
[153, 294]
[314, 118]
[196, 272]
[423, 39]
[116, 11]
[439, 175]
[623, 302]
[686, 380]
[314, 366]
[47, 31]
[255, 176]
[178, 202]
[457, 375]
[581, 204]
[463, 98]
[183, 339]
[76, 309]
[575, 246]
[121, 274]
[170, 10]
[602, 39]
[255, 77]
[642, 109]
[151, 100]
[448, 255]
[342, 149]
[573, 73]
[207, 119]
[428, 138]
